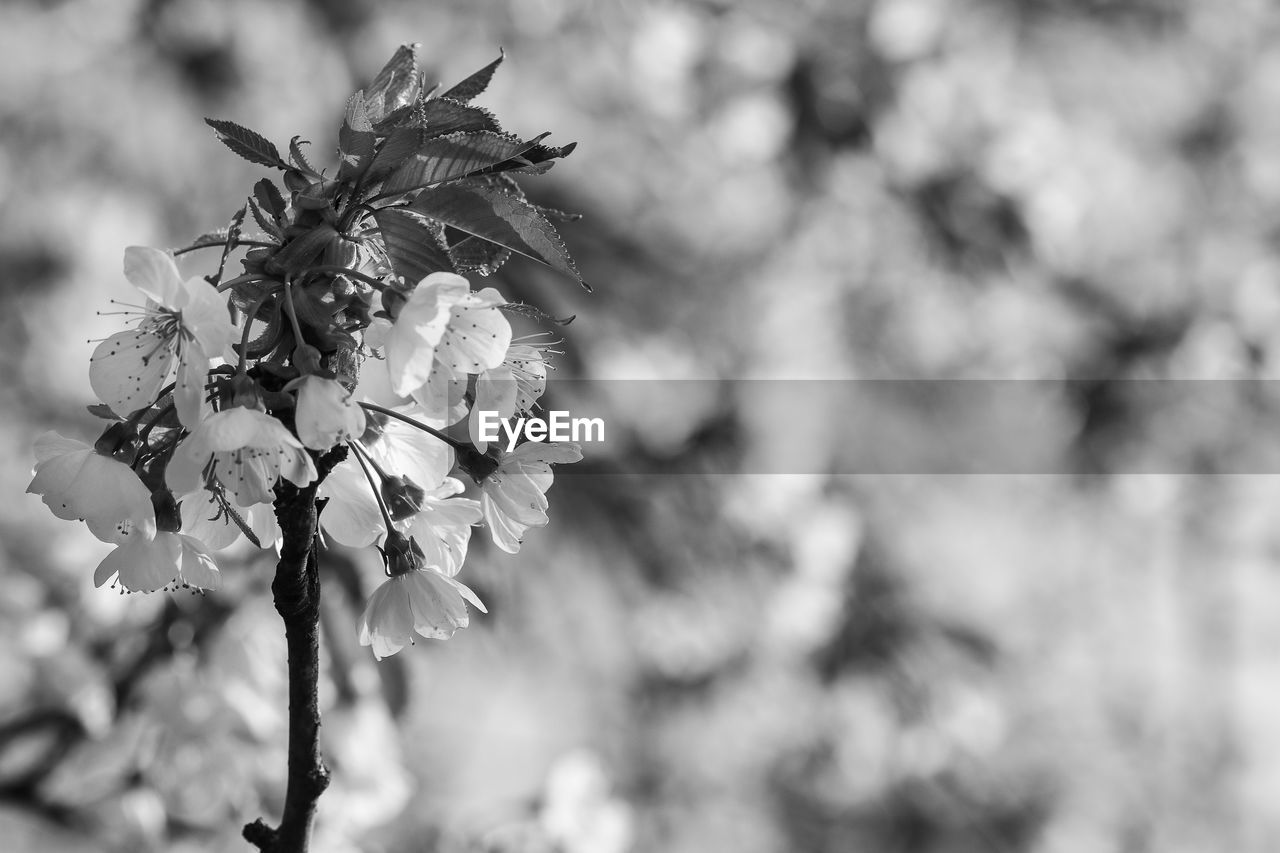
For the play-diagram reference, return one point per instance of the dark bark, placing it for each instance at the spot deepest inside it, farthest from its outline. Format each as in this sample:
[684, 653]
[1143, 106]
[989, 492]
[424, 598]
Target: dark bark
[296, 590]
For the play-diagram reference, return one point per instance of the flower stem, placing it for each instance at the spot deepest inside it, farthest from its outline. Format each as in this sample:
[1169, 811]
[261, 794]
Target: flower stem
[365, 461]
[293, 313]
[183, 251]
[248, 324]
[376, 284]
[452, 442]
[243, 279]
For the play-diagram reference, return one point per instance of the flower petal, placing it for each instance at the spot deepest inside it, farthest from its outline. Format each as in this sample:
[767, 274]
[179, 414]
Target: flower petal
[411, 343]
[476, 340]
[154, 273]
[50, 444]
[351, 517]
[196, 567]
[54, 477]
[142, 565]
[387, 621]
[188, 389]
[203, 518]
[185, 472]
[204, 315]
[506, 533]
[128, 369]
[438, 607]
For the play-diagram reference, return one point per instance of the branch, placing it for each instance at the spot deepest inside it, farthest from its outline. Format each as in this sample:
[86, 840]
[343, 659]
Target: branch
[296, 589]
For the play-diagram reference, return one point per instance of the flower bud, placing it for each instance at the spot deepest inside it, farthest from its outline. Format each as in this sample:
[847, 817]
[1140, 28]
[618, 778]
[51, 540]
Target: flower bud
[244, 393]
[118, 441]
[295, 180]
[307, 359]
[394, 297]
[478, 465]
[402, 496]
[401, 554]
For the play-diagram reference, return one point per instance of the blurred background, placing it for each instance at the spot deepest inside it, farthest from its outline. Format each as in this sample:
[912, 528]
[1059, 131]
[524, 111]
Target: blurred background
[1084, 660]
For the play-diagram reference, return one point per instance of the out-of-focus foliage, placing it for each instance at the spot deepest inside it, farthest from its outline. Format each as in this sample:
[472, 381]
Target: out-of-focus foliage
[828, 188]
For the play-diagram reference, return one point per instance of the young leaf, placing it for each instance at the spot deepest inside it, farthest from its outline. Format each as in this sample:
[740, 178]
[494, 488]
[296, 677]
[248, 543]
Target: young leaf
[396, 85]
[233, 237]
[207, 240]
[395, 149]
[445, 115]
[557, 215]
[356, 139]
[266, 223]
[269, 198]
[250, 145]
[477, 82]
[490, 214]
[414, 245]
[535, 160]
[101, 410]
[533, 312]
[455, 155]
[299, 159]
[296, 254]
[397, 118]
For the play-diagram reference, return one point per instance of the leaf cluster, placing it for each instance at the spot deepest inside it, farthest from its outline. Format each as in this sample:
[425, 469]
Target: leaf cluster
[424, 182]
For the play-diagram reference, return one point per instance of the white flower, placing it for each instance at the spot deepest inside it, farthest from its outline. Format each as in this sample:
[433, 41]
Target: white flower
[250, 451]
[415, 599]
[511, 387]
[443, 325]
[513, 497]
[208, 519]
[169, 560]
[326, 414]
[186, 320]
[352, 516]
[442, 528]
[75, 481]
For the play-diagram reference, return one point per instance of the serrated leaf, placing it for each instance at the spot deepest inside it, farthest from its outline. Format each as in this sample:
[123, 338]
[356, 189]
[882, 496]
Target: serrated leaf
[233, 236]
[396, 148]
[356, 139]
[455, 155]
[101, 410]
[472, 254]
[535, 160]
[249, 144]
[340, 253]
[490, 214]
[414, 244]
[298, 158]
[231, 513]
[266, 223]
[446, 115]
[557, 215]
[396, 85]
[207, 240]
[301, 250]
[399, 117]
[533, 312]
[477, 82]
[269, 198]
[535, 169]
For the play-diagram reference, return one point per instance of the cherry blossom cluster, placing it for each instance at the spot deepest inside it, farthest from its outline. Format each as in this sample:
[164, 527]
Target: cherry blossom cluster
[227, 394]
